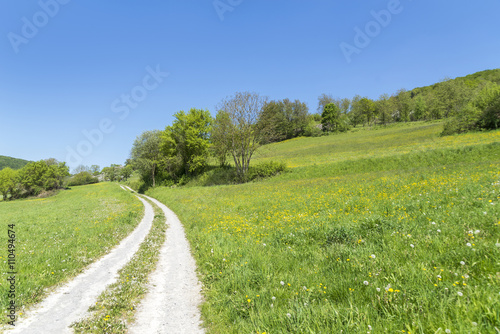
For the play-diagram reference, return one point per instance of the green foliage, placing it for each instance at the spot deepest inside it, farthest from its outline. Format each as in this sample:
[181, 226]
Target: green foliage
[146, 155]
[281, 120]
[40, 176]
[13, 163]
[479, 113]
[220, 143]
[187, 141]
[330, 118]
[490, 118]
[367, 109]
[81, 179]
[267, 169]
[8, 182]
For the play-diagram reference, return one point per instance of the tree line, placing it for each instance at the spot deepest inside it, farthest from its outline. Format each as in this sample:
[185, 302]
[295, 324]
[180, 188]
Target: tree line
[33, 179]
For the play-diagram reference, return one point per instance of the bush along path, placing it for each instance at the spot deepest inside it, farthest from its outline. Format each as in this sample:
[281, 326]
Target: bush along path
[70, 302]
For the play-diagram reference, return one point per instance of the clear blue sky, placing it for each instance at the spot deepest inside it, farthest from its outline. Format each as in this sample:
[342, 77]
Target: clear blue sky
[68, 68]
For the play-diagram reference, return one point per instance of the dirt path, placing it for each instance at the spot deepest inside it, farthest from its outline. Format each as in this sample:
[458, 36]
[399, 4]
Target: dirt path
[171, 305]
[70, 302]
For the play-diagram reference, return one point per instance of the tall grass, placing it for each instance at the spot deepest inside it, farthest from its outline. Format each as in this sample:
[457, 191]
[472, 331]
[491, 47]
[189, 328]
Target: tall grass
[379, 243]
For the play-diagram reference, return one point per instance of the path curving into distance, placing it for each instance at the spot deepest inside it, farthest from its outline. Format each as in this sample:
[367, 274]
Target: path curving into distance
[171, 304]
[71, 301]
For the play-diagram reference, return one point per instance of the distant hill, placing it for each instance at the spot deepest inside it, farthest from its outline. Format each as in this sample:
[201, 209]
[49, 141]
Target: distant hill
[13, 163]
[471, 80]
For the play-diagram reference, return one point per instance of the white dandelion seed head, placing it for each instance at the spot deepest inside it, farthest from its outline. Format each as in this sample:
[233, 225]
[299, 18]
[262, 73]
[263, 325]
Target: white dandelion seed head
[460, 293]
[468, 244]
[282, 283]
[273, 298]
[288, 315]
[412, 245]
[212, 251]
[272, 305]
[224, 259]
[438, 276]
[466, 276]
[304, 287]
[369, 327]
[439, 231]
[366, 283]
[433, 223]
[447, 330]
[477, 231]
[462, 263]
[372, 256]
[497, 244]
[474, 323]
[378, 289]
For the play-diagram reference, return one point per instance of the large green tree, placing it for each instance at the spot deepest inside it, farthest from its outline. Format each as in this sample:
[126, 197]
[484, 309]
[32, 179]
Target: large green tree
[188, 139]
[146, 154]
[8, 181]
[42, 175]
[384, 108]
[330, 118]
[284, 119]
[221, 144]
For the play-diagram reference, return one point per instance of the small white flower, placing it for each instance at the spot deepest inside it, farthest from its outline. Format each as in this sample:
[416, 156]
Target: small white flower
[462, 263]
[412, 245]
[264, 245]
[273, 298]
[282, 283]
[439, 231]
[378, 289]
[438, 276]
[468, 244]
[372, 256]
[460, 293]
[433, 223]
[288, 315]
[366, 283]
[224, 259]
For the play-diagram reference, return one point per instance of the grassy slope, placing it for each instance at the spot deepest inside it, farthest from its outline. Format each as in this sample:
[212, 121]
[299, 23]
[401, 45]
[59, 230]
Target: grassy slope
[354, 238]
[58, 236]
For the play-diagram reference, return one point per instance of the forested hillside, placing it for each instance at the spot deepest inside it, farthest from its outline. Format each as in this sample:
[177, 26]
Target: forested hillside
[13, 163]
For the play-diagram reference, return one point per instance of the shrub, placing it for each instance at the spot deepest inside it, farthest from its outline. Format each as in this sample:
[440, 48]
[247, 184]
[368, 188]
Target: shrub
[266, 169]
[82, 178]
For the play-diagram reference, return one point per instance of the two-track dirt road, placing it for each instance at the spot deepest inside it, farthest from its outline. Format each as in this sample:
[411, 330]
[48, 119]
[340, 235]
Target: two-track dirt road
[171, 305]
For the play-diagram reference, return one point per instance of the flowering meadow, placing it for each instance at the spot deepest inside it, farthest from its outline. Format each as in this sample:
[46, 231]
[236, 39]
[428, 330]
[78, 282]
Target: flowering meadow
[56, 237]
[372, 241]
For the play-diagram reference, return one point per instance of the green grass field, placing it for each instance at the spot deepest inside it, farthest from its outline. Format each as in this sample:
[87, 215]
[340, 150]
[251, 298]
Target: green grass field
[57, 237]
[391, 230]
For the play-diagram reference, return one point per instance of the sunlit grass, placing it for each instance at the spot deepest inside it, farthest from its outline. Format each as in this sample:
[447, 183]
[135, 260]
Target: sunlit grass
[58, 236]
[380, 242]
